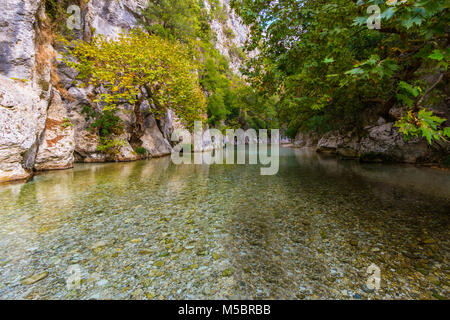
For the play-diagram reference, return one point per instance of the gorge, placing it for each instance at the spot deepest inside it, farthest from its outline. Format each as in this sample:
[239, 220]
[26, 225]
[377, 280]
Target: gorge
[94, 207]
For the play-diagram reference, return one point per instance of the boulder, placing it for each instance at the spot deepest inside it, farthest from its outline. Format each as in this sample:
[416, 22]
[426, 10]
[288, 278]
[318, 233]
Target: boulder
[153, 140]
[386, 143]
[329, 142]
[58, 141]
[306, 140]
[22, 121]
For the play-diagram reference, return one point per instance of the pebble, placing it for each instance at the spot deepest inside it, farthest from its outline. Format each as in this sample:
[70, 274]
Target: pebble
[315, 239]
[34, 278]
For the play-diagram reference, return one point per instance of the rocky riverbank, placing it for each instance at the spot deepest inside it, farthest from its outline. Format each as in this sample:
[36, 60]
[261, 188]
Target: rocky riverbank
[375, 143]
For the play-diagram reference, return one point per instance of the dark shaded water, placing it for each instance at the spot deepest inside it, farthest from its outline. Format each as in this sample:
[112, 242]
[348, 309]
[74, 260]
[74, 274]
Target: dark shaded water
[153, 230]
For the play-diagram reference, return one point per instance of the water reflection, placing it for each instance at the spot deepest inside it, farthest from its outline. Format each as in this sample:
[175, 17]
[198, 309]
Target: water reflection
[151, 229]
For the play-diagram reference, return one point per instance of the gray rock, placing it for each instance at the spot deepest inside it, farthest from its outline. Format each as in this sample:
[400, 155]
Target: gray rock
[153, 140]
[376, 143]
[22, 119]
[111, 18]
[306, 140]
[17, 38]
[386, 143]
[58, 142]
[330, 142]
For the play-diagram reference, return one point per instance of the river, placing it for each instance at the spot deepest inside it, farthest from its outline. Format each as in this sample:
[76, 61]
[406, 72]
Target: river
[155, 230]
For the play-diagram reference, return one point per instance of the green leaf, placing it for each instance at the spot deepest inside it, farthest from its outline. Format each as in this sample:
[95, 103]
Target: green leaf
[388, 13]
[436, 55]
[446, 132]
[359, 21]
[355, 71]
[409, 22]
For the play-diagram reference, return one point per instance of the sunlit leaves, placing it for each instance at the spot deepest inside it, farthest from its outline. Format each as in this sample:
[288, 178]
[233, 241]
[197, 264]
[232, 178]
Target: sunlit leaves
[436, 55]
[407, 93]
[424, 124]
[138, 62]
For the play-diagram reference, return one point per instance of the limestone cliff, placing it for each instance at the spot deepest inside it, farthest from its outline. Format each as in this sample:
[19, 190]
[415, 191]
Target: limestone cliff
[41, 110]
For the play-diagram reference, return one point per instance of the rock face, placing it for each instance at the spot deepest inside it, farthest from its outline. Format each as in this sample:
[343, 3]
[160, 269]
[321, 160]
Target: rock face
[153, 140]
[111, 18]
[17, 38]
[305, 140]
[230, 32]
[58, 141]
[380, 142]
[22, 120]
[384, 142]
[44, 128]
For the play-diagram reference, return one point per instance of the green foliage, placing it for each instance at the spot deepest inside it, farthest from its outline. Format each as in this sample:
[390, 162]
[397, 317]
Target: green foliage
[328, 67]
[218, 11]
[175, 19]
[237, 52]
[56, 11]
[109, 146]
[136, 62]
[106, 123]
[66, 123]
[228, 32]
[407, 92]
[188, 22]
[125, 68]
[217, 111]
[423, 124]
[140, 150]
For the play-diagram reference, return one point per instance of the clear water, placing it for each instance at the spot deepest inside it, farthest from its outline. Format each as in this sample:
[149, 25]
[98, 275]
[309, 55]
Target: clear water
[153, 230]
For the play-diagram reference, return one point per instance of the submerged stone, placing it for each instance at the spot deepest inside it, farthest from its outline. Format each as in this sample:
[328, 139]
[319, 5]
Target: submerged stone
[227, 272]
[34, 278]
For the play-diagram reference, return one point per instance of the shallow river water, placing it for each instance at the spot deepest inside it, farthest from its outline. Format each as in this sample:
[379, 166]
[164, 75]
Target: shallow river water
[154, 230]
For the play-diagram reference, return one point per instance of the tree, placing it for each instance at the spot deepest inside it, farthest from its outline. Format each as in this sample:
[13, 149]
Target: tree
[328, 67]
[174, 19]
[135, 64]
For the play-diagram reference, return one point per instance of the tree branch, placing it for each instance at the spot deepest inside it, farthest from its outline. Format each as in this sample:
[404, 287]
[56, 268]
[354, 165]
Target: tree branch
[419, 103]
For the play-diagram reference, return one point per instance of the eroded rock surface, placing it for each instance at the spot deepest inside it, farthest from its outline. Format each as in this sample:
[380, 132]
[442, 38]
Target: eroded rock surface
[17, 37]
[153, 140]
[22, 120]
[58, 141]
[379, 142]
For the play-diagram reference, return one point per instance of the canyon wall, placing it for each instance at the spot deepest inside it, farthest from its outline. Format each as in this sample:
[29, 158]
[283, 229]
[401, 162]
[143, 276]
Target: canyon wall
[41, 110]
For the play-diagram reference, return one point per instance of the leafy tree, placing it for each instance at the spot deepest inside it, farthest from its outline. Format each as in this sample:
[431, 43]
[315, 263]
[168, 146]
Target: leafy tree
[132, 68]
[217, 110]
[328, 67]
[174, 19]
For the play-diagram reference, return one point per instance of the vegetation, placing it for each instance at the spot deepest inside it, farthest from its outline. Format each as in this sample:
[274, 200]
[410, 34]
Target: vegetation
[329, 68]
[228, 97]
[319, 66]
[177, 20]
[174, 64]
[135, 67]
